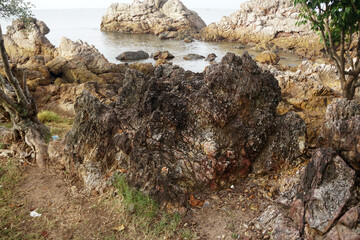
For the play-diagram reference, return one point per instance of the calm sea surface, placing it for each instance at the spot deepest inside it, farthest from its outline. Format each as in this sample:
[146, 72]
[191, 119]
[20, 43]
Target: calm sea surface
[84, 24]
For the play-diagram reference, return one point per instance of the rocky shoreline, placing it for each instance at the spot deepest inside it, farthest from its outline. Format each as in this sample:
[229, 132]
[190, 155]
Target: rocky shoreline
[175, 133]
[166, 18]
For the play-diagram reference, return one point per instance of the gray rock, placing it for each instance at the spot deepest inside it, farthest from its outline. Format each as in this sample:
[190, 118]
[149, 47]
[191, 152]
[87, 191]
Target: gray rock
[139, 55]
[191, 57]
[341, 130]
[325, 190]
[211, 57]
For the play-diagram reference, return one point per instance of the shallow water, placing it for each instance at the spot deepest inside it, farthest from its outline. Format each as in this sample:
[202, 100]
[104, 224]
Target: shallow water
[84, 24]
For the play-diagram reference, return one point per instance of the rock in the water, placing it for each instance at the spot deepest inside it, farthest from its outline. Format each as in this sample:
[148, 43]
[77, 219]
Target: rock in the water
[268, 22]
[179, 131]
[152, 16]
[192, 56]
[22, 42]
[268, 58]
[325, 190]
[211, 57]
[163, 55]
[133, 56]
[341, 130]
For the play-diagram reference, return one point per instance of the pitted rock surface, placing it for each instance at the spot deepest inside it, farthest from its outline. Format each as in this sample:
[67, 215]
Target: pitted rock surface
[178, 131]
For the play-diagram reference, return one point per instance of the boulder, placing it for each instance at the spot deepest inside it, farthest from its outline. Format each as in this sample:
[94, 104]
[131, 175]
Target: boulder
[22, 42]
[211, 57]
[325, 190]
[88, 54]
[266, 22]
[152, 16]
[178, 132]
[268, 58]
[55, 66]
[133, 56]
[190, 57]
[163, 55]
[341, 130]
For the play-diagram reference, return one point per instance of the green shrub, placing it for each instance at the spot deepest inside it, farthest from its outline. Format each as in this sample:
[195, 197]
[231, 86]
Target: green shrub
[48, 116]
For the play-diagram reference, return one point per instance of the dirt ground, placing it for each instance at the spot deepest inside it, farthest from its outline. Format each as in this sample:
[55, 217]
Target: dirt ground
[68, 212]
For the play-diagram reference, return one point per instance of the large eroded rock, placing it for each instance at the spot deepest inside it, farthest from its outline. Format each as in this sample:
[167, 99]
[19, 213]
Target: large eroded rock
[22, 42]
[341, 130]
[179, 131]
[268, 22]
[151, 16]
[88, 54]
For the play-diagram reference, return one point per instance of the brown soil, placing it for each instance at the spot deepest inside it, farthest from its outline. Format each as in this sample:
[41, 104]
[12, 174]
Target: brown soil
[67, 213]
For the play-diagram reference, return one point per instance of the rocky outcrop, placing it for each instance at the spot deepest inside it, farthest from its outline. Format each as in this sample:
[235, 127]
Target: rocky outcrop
[341, 130]
[268, 23]
[23, 42]
[324, 192]
[308, 91]
[88, 54]
[168, 17]
[178, 132]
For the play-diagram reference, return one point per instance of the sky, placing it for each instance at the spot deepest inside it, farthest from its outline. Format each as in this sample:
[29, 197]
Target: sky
[192, 4]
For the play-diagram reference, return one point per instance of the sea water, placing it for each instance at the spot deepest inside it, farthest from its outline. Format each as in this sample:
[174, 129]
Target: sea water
[84, 24]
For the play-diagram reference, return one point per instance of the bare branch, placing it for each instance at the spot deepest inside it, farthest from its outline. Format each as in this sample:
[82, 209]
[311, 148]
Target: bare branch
[13, 81]
[8, 101]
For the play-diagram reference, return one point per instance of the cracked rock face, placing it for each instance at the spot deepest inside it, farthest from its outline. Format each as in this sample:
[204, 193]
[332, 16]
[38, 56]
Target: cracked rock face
[178, 132]
[324, 191]
[151, 16]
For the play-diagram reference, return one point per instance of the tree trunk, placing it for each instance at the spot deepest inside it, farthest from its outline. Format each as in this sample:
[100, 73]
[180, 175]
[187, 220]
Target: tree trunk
[15, 98]
[349, 88]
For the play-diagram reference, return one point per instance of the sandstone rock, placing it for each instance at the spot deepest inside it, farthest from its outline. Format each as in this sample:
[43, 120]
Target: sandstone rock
[77, 72]
[55, 66]
[145, 68]
[22, 43]
[211, 57]
[308, 91]
[163, 55]
[161, 62]
[268, 58]
[133, 56]
[88, 54]
[325, 190]
[190, 57]
[342, 130]
[151, 16]
[61, 98]
[274, 22]
[203, 128]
